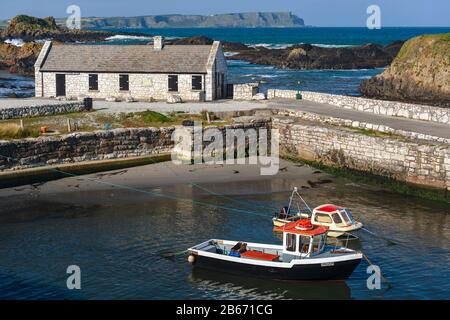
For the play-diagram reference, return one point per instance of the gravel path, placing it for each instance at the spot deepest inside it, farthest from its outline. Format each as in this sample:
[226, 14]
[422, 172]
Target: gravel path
[190, 107]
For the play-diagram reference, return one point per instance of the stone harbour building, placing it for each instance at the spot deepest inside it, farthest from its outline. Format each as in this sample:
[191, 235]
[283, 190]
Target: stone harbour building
[140, 72]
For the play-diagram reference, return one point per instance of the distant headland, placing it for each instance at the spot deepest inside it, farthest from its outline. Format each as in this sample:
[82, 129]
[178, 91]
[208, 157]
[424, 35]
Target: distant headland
[229, 20]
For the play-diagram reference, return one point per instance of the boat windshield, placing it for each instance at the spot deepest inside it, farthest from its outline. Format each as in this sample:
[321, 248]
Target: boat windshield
[349, 215]
[336, 218]
[344, 216]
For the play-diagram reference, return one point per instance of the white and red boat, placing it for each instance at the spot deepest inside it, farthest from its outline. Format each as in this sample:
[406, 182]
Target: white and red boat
[304, 255]
[339, 220]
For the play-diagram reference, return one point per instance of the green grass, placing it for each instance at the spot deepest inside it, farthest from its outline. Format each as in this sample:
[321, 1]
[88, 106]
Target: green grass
[377, 181]
[373, 133]
[152, 117]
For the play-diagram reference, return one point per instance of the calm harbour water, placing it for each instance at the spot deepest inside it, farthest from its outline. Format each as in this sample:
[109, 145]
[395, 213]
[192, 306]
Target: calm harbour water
[126, 243]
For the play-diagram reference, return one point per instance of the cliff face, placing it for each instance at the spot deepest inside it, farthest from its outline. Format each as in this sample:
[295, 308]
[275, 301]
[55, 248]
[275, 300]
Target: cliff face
[232, 20]
[419, 73]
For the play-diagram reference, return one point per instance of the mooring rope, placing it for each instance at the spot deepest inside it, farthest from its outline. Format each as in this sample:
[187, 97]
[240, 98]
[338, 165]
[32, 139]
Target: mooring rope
[381, 274]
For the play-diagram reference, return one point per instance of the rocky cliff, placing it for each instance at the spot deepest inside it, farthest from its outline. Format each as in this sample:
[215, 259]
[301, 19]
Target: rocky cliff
[231, 20]
[30, 28]
[419, 73]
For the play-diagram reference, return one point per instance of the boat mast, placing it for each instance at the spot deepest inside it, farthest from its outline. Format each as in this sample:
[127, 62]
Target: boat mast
[298, 194]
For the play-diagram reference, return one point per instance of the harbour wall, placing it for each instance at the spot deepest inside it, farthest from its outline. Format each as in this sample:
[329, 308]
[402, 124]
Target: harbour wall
[420, 163]
[424, 163]
[98, 145]
[380, 107]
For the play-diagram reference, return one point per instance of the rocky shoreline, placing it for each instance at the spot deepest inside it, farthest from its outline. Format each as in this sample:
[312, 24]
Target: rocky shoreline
[33, 32]
[306, 56]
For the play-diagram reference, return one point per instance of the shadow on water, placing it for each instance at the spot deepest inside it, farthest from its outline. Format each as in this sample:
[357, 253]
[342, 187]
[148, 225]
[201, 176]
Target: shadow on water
[236, 287]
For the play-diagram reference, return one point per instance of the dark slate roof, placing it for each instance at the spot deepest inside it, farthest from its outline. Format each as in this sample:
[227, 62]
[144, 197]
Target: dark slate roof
[127, 58]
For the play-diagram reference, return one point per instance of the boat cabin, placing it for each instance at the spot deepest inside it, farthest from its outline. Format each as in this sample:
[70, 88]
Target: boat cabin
[302, 239]
[332, 216]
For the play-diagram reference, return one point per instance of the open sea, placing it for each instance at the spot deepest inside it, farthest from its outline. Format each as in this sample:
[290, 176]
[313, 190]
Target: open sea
[331, 81]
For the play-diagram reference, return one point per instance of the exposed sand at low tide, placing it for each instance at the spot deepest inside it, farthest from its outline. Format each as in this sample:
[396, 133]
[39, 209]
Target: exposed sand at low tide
[166, 174]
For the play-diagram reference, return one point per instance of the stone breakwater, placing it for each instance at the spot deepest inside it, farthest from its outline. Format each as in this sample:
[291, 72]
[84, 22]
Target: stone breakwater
[91, 146]
[380, 107]
[37, 109]
[425, 164]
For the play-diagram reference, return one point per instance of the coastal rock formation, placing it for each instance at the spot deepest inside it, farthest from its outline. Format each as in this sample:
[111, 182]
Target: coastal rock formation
[420, 73]
[19, 59]
[306, 56]
[30, 28]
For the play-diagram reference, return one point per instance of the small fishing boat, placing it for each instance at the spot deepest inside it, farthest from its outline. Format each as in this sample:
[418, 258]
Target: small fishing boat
[339, 220]
[288, 214]
[304, 255]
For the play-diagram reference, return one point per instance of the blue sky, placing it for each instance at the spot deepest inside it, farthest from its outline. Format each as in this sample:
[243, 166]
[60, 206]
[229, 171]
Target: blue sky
[341, 13]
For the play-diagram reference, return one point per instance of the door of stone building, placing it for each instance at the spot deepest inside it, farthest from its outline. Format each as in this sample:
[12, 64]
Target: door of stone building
[220, 85]
[60, 85]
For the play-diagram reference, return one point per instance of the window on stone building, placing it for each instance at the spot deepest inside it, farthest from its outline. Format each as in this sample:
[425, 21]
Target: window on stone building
[173, 83]
[197, 82]
[124, 82]
[93, 82]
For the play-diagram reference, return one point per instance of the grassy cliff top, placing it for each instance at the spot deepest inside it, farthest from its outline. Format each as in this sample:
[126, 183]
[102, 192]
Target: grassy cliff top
[23, 23]
[436, 46]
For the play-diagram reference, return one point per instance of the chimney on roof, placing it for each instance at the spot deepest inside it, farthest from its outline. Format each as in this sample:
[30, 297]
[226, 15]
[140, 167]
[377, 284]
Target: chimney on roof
[158, 43]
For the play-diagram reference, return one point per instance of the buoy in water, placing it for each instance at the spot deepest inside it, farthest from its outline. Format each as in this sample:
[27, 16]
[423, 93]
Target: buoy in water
[191, 259]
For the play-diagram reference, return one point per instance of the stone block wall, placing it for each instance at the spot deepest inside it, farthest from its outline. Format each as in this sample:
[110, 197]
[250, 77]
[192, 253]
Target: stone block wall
[381, 107]
[98, 145]
[426, 164]
[245, 91]
[43, 109]
[85, 146]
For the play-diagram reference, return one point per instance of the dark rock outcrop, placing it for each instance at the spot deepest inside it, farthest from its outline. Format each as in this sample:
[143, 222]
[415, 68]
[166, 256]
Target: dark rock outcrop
[19, 59]
[307, 56]
[419, 73]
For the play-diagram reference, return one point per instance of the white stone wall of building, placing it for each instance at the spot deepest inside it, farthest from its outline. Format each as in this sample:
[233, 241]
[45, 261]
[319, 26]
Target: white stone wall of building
[216, 65]
[37, 68]
[245, 91]
[141, 86]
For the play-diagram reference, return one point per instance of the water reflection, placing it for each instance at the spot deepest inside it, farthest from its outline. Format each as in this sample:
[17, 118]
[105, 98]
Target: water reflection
[225, 286]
